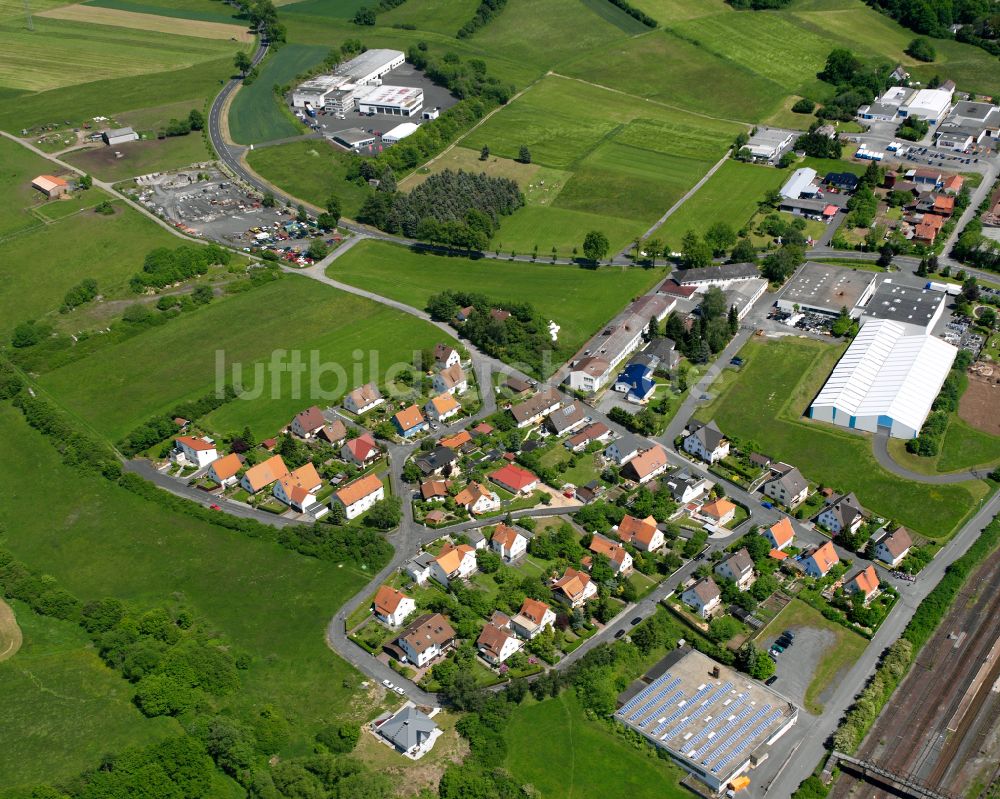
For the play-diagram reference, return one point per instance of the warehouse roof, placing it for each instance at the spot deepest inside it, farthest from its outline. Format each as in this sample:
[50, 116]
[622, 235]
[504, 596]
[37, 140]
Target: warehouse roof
[914, 306]
[888, 371]
[827, 287]
[800, 180]
[361, 66]
[687, 277]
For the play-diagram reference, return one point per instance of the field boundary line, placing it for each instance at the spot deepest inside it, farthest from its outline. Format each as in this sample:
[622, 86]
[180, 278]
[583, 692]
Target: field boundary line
[650, 100]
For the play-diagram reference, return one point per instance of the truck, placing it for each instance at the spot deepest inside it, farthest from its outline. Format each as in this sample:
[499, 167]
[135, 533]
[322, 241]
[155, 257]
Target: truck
[948, 288]
[311, 111]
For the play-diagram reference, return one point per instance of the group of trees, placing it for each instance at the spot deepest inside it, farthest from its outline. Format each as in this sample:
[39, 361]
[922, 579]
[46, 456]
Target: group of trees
[635, 13]
[263, 17]
[162, 427]
[164, 266]
[486, 12]
[781, 264]
[82, 292]
[195, 120]
[819, 145]
[716, 324]
[456, 208]
[856, 82]
[935, 18]
[366, 16]
[758, 5]
[921, 49]
[913, 129]
[975, 249]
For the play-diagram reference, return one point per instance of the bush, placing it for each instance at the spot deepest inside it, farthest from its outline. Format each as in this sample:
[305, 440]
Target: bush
[804, 106]
[339, 738]
[921, 49]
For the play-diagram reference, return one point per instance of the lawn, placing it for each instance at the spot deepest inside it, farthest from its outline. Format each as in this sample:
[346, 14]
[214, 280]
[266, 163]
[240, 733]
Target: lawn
[579, 300]
[439, 16]
[18, 166]
[310, 170]
[553, 746]
[963, 447]
[564, 229]
[63, 708]
[60, 53]
[846, 647]
[40, 266]
[120, 386]
[255, 114]
[766, 401]
[730, 195]
[100, 540]
[141, 157]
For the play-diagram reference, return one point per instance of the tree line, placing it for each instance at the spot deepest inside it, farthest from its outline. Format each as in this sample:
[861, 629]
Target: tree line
[163, 266]
[486, 12]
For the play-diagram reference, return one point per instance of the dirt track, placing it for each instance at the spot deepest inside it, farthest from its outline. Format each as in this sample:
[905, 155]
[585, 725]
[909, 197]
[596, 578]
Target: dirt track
[10, 633]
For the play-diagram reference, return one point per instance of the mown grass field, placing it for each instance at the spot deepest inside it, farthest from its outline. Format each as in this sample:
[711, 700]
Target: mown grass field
[254, 115]
[100, 540]
[730, 195]
[766, 402]
[18, 166]
[440, 16]
[311, 170]
[207, 10]
[665, 11]
[61, 53]
[122, 385]
[62, 707]
[963, 447]
[579, 300]
[554, 746]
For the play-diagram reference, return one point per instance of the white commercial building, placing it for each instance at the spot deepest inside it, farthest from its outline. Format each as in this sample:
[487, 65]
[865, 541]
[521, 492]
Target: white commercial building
[928, 104]
[886, 381]
[767, 143]
[800, 184]
[119, 136]
[338, 91]
[399, 132]
[400, 101]
[917, 308]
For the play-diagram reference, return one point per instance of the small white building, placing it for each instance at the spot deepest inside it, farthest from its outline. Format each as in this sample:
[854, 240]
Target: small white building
[119, 136]
[800, 184]
[223, 470]
[704, 597]
[409, 732]
[533, 619]
[495, 644]
[450, 380]
[892, 548]
[194, 451]
[738, 567]
[392, 606]
[363, 399]
[357, 497]
[400, 132]
[508, 543]
[454, 563]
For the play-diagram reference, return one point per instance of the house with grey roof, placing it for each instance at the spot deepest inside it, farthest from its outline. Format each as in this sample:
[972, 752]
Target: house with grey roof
[842, 512]
[706, 441]
[892, 547]
[623, 449]
[566, 419]
[787, 486]
[704, 597]
[408, 731]
[738, 567]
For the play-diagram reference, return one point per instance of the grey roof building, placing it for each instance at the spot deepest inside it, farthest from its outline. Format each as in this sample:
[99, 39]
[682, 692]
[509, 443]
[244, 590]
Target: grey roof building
[708, 434]
[708, 275]
[436, 460]
[569, 417]
[665, 351]
[408, 730]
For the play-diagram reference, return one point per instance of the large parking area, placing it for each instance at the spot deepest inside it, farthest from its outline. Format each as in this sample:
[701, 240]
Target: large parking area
[435, 96]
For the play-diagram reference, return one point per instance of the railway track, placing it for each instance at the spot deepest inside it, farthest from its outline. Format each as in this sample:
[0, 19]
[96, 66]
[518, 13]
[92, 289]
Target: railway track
[911, 736]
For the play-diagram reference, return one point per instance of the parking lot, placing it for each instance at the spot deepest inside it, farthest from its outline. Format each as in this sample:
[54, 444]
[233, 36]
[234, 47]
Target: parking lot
[405, 75]
[796, 666]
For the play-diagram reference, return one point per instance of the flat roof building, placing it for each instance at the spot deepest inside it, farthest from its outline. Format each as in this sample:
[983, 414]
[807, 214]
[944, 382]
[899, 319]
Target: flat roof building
[710, 719]
[918, 308]
[353, 138]
[800, 184]
[400, 101]
[927, 104]
[701, 278]
[119, 136]
[824, 288]
[743, 295]
[370, 65]
[767, 143]
[339, 89]
[886, 381]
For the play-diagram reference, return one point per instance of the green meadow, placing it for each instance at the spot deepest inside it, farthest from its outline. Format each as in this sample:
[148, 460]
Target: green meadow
[205, 10]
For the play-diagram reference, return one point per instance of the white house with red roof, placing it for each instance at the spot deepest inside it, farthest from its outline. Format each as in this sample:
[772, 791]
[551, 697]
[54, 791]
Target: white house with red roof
[392, 606]
[575, 588]
[307, 423]
[508, 543]
[194, 451]
[643, 534]
[780, 534]
[533, 618]
[298, 488]
[818, 561]
[515, 479]
[454, 563]
[361, 450]
[621, 560]
[223, 470]
[496, 644]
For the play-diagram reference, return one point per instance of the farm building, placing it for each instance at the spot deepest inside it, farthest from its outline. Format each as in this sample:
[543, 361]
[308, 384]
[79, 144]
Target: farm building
[800, 184]
[711, 720]
[917, 308]
[119, 136]
[50, 186]
[767, 143]
[886, 381]
[824, 288]
[399, 132]
[819, 210]
[400, 101]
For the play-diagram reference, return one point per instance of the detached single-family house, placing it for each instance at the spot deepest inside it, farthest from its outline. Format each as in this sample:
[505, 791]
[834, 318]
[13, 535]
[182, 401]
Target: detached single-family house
[738, 567]
[307, 423]
[392, 606]
[425, 639]
[892, 547]
[439, 460]
[842, 512]
[454, 563]
[533, 618]
[508, 543]
[721, 512]
[360, 495]
[445, 356]
[621, 560]
[819, 560]
[643, 534]
[636, 382]
[196, 451]
[496, 644]
[298, 488]
[451, 380]
[477, 498]
[589, 374]
[457, 441]
[704, 597]
[515, 479]
[685, 487]
[706, 441]
[434, 490]
[419, 567]
[788, 486]
[476, 539]
[647, 464]
[442, 407]
[780, 534]
[409, 422]
[865, 582]
[363, 399]
[623, 449]
[575, 588]
[566, 419]
[223, 470]
[598, 431]
[361, 450]
[263, 474]
[333, 433]
[410, 732]
[535, 408]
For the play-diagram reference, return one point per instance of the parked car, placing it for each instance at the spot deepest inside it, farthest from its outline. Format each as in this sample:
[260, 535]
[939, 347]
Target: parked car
[767, 504]
[789, 634]
[776, 647]
[388, 684]
[619, 634]
[399, 691]
[636, 620]
[771, 680]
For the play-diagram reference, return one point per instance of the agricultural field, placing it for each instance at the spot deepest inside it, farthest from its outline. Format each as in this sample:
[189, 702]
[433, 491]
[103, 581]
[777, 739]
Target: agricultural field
[60, 53]
[18, 166]
[207, 10]
[580, 300]
[100, 540]
[122, 385]
[554, 746]
[141, 157]
[766, 402]
[439, 16]
[63, 708]
[667, 11]
[731, 194]
[255, 114]
[343, 9]
[311, 170]
[150, 22]
[628, 164]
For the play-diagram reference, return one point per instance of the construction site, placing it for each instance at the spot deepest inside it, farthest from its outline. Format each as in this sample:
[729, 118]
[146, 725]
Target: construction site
[939, 736]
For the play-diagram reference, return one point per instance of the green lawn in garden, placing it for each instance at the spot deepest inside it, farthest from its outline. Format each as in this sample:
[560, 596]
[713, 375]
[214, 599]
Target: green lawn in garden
[579, 300]
[121, 386]
[766, 402]
[554, 746]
